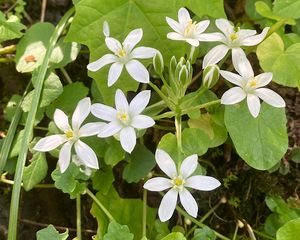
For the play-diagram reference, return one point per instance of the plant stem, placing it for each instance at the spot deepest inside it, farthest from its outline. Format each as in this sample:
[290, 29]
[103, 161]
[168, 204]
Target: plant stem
[66, 75]
[8, 49]
[219, 235]
[144, 213]
[161, 94]
[78, 217]
[264, 235]
[10, 182]
[40, 75]
[235, 231]
[210, 211]
[178, 137]
[6, 60]
[100, 205]
[204, 105]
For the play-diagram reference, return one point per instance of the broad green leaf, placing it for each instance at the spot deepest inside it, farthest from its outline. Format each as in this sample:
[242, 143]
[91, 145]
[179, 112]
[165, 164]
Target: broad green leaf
[36, 171]
[174, 236]
[67, 101]
[32, 47]
[10, 28]
[118, 232]
[295, 155]
[204, 233]
[16, 145]
[51, 233]
[289, 231]
[169, 143]
[273, 57]
[141, 162]
[103, 179]
[51, 90]
[125, 211]
[114, 153]
[287, 8]
[72, 181]
[260, 141]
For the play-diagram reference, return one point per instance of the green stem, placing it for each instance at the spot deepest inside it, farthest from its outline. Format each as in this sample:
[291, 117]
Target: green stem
[235, 231]
[263, 235]
[8, 49]
[100, 205]
[144, 223]
[204, 105]
[178, 123]
[41, 73]
[66, 75]
[78, 217]
[6, 60]
[181, 211]
[10, 182]
[164, 80]
[161, 94]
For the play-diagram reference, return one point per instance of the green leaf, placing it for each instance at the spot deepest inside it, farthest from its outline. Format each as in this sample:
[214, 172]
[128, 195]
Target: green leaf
[16, 145]
[69, 98]
[118, 232]
[204, 233]
[289, 231]
[260, 141]
[51, 90]
[51, 233]
[32, 47]
[36, 171]
[174, 236]
[10, 28]
[141, 162]
[287, 9]
[125, 211]
[295, 155]
[114, 153]
[194, 141]
[273, 57]
[103, 179]
[72, 181]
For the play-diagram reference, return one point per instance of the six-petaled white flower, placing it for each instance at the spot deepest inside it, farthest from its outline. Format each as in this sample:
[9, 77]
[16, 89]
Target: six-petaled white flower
[124, 55]
[231, 38]
[185, 29]
[125, 118]
[71, 136]
[250, 87]
[178, 182]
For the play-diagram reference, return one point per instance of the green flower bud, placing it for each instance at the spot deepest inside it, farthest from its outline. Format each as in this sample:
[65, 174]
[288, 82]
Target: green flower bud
[210, 76]
[183, 75]
[158, 63]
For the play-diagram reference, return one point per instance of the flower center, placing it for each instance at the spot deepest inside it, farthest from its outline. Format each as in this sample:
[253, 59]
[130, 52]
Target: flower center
[189, 29]
[69, 134]
[121, 53]
[233, 36]
[123, 117]
[178, 183]
[252, 83]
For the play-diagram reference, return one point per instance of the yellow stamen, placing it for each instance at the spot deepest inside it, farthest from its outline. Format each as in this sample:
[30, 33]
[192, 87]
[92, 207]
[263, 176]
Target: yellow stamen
[252, 82]
[233, 36]
[69, 134]
[121, 53]
[123, 116]
[178, 181]
[189, 29]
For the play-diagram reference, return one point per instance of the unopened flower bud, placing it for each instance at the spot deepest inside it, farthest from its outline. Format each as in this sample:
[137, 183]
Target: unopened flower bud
[158, 63]
[210, 76]
[240, 224]
[187, 221]
[183, 75]
[105, 29]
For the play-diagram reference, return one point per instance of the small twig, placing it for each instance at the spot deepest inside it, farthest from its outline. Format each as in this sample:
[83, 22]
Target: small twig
[43, 10]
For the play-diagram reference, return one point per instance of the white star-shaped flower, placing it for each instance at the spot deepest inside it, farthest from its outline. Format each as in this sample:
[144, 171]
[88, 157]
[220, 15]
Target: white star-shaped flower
[178, 184]
[185, 29]
[249, 87]
[125, 118]
[231, 38]
[72, 137]
[124, 55]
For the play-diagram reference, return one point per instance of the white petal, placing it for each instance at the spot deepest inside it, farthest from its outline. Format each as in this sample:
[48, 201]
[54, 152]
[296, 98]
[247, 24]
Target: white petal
[121, 101]
[91, 129]
[254, 40]
[105, 29]
[244, 33]
[232, 77]
[241, 63]
[113, 44]
[81, 112]
[202, 183]
[128, 139]
[174, 25]
[215, 55]
[142, 122]
[193, 42]
[175, 36]
[143, 52]
[101, 62]
[86, 154]
[64, 156]
[167, 205]
[158, 184]
[188, 202]
[49, 143]
[189, 165]
[270, 97]
[104, 112]
[201, 26]
[253, 104]
[137, 71]
[165, 163]
[183, 15]
[61, 120]
[263, 79]
[233, 95]
[139, 102]
[114, 73]
[132, 39]
[224, 25]
[211, 37]
[110, 129]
